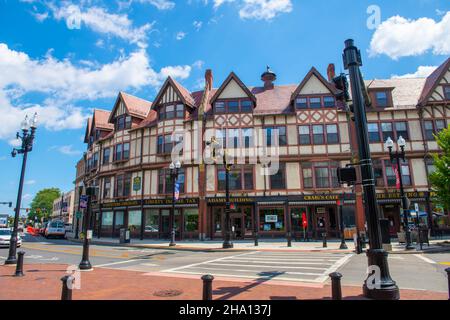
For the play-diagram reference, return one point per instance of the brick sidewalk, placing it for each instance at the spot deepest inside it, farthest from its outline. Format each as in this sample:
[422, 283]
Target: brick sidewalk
[42, 282]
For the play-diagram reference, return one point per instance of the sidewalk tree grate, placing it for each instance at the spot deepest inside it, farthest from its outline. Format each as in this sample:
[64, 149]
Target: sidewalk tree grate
[168, 293]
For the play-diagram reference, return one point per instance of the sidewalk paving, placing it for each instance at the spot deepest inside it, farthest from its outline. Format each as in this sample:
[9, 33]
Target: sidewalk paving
[42, 282]
[265, 245]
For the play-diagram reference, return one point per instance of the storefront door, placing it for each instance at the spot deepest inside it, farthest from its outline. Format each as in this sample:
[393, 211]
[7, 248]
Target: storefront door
[237, 223]
[165, 223]
[321, 221]
[392, 213]
[119, 222]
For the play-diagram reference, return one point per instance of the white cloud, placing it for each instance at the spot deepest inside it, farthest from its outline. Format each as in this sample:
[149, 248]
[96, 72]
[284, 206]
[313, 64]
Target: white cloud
[67, 150]
[197, 25]
[264, 9]
[198, 64]
[101, 21]
[179, 72]
[30, 182]
[259, 9]
[421, 72]
[64, 84]
[180, 35]
[400, 37]
[160, 4]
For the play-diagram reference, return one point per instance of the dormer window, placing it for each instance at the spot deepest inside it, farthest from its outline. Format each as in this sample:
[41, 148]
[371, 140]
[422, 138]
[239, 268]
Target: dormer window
[170, 112]
[315, 102]
[234, 106]
[123, 122]
[381, 98]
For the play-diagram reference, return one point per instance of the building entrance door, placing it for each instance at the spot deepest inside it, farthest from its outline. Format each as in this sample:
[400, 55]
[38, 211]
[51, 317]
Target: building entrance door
[321, 221]
[237, 221]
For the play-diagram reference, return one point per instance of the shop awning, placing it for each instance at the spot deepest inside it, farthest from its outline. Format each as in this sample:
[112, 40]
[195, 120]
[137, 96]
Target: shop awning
[319, 202]
[387, 201]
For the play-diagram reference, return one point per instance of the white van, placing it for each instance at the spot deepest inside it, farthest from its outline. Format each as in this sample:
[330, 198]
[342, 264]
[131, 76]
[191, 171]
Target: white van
[55, 229]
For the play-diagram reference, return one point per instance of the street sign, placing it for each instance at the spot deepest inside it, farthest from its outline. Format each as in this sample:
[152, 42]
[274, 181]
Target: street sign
[137, 184]
[78, 215]
[83, 201]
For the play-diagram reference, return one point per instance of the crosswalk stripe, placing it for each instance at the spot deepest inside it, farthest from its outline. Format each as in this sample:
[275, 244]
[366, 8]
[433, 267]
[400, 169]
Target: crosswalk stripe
[274, 261]
[244, 270]
[259, 266]
[284, 259]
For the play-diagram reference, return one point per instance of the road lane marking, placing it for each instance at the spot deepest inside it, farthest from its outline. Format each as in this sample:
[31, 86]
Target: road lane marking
[252, 277]
[445, 263]
[205, 262]
[425, 259]
[335, 267]
[259, 266]
[118, 262]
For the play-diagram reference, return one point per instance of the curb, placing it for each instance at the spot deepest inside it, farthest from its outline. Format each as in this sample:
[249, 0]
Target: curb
[196, 249]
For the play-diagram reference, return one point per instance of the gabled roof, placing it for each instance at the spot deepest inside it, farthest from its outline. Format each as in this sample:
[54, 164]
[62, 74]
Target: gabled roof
[233, 76]
[308, 76]
[182, 92]
[432, 82]
[100, 120]
[135, 106]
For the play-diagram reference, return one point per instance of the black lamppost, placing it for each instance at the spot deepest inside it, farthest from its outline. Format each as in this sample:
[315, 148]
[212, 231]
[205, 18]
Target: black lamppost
[85, 264]
[227, 244]
[384, 287]
[397, 156]
[343, 245]
[174, 171]
[28, 132]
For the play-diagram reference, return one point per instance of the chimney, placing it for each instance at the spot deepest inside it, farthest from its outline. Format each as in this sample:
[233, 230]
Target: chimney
[208, 79]
[331, 72]
[268, 78]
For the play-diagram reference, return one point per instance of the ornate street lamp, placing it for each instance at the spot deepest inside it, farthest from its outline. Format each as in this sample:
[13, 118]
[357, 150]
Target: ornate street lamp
[384, 287]
[85, 264]
[28, 132]
[174, 171]
[397, 156]
[222, 153]
[343, 245]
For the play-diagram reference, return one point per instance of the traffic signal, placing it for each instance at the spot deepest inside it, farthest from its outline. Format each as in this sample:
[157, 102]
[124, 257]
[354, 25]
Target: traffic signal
[341, 83]
[347, 175]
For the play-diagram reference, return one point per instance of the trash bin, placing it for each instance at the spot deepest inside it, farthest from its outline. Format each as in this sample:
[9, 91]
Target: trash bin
[124, 236]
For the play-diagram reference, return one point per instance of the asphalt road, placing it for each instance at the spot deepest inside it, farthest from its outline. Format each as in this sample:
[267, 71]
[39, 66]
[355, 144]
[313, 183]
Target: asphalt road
[410, 271]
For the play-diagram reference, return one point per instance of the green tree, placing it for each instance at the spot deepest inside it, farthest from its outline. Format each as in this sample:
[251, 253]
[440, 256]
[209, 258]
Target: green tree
[440, 178]
[42, 204]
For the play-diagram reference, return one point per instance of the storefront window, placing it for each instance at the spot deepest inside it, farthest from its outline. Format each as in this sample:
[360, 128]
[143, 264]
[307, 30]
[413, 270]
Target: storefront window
[120, 222]
[134, 220]
[151, 220]
[296, 218]
[190, 220]
[348, 213]
[217, 213]
[107, 220]
[271, 219]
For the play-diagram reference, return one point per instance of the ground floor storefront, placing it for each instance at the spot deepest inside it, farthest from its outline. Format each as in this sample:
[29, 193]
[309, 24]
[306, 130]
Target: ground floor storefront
[304, 217]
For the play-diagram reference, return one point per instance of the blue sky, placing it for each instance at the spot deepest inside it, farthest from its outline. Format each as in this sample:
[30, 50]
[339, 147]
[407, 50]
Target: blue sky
[63, 58]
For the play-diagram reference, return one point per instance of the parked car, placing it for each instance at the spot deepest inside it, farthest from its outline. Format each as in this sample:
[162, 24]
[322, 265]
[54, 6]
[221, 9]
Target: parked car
[55, 229]
[5, 237]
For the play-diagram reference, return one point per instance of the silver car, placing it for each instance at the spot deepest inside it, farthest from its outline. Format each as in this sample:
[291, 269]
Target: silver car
[5, 238]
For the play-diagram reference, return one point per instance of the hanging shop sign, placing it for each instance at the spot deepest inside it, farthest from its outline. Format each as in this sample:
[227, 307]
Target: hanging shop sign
[271, 218]
[137, 183]
[396, 195]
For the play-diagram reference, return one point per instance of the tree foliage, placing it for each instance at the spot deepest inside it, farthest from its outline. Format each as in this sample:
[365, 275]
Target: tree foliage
[440, 179]
[42, 204]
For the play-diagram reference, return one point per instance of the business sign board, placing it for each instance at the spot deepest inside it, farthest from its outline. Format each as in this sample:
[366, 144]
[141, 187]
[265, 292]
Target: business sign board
[83, 202]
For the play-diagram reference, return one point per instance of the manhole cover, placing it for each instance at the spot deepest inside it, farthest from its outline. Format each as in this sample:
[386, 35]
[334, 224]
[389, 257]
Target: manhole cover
[168, 293]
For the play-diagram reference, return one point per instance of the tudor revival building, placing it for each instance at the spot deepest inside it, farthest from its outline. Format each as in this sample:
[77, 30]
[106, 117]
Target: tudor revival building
[129, 152]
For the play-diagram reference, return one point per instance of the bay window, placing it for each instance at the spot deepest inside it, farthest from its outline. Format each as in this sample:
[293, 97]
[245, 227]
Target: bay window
[165, 183]
[374, 133]
[329, 102]
[234, 106]
[247, 134]
[304, 135]
[123, 185]
[301, 103]
[122, 152]
[401, 129]
[172, 111]
[320, 175]
[318, 137]
[381, 98]
[106, 155]
[107, 188]
[272, 132]
[447, 92]
[315, 102]
[387, 131]
[123, 122]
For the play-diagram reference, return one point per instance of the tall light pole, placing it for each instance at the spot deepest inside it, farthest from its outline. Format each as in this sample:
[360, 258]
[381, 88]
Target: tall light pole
[28, 132]
[85, 264]
[227, 244]
[343, 245]
[384, 287]
[397, 156]
[174, 171]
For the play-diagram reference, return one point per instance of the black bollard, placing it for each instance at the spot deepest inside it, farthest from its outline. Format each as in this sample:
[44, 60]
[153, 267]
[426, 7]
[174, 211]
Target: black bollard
[256, 240]
[448, 277]
[207, 286]
[336, 291]
[289, 239]
[66, 293]
[19, 266]
[324, 235]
